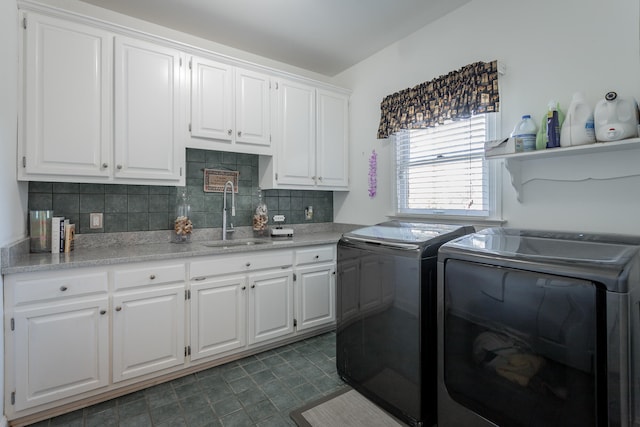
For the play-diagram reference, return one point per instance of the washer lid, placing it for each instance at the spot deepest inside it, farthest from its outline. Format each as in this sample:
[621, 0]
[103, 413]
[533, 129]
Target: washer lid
[608, 257]
[576, 247]
[408, 232]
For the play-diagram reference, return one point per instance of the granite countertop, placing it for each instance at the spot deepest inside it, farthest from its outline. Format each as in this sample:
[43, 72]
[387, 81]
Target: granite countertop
[127, 250]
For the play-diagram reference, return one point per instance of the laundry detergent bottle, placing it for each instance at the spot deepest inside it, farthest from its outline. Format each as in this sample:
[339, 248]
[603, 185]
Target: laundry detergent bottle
[616, 118]
[524, 134]
[549, 132]
[578, 127]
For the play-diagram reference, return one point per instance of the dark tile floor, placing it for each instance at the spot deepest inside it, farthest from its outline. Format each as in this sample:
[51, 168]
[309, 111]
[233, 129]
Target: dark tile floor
[258, 390]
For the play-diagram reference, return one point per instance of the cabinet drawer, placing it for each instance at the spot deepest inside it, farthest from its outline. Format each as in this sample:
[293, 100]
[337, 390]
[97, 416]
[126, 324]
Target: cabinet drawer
[50, 286]
[228, 264]
[148, 274]
[315, 254]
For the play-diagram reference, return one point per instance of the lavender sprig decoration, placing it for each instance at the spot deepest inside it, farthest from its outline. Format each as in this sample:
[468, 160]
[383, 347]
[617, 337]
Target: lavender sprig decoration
[373, 171]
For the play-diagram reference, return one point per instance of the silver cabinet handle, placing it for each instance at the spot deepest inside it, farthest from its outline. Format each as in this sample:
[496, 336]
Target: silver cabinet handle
[153, 276]
[253, 286]
[244, 287]
[248, 264]
[319, 178]
[229, 132]
[118, 308]
[103, 312]
[317, 256]
[199, 279]
[119, 166]
[63, 288]
[239, 133]
[104, 165]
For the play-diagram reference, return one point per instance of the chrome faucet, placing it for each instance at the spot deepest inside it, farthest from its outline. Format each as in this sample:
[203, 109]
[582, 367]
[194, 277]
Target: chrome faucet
[224, 209]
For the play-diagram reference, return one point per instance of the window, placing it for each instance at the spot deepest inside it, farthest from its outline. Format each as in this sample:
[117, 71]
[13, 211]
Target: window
[442, 170]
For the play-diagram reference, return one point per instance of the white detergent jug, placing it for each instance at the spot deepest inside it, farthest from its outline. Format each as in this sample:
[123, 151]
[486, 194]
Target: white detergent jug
[616, 118]
[578, 127]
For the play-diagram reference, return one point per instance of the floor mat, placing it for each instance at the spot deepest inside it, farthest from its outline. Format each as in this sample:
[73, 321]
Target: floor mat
[346, 407]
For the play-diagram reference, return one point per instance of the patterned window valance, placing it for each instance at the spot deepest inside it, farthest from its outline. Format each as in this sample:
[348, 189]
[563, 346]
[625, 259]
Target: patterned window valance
[472, 89]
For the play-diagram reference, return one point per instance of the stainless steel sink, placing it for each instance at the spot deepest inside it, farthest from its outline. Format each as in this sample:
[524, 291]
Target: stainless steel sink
[233, 243]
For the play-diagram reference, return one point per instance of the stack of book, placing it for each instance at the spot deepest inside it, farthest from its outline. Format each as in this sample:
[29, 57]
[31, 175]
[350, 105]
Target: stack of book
[62, 235]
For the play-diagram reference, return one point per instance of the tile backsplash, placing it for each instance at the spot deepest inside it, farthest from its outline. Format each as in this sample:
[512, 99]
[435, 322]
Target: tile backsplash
[150, 207]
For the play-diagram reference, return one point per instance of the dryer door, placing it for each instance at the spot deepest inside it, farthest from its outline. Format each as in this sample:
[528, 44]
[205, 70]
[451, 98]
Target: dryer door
[520, 348]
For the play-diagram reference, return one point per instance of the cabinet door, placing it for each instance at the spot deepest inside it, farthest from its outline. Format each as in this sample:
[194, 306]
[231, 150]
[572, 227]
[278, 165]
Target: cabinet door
[148, 331]
[66, 120]
[212, 99]
[316, 296]
[296, 134]
[252, 108]
[218, 316]
[147, 111]
[61, 350]
[270, 305]
[332, 162]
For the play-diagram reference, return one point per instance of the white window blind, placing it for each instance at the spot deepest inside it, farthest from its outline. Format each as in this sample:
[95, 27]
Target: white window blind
[442, 170]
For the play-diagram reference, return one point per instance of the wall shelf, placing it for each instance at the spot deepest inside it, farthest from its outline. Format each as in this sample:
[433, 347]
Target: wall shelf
[560, 166]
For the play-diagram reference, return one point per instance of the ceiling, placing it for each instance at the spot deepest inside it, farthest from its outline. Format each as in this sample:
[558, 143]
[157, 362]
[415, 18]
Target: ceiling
[324, 36]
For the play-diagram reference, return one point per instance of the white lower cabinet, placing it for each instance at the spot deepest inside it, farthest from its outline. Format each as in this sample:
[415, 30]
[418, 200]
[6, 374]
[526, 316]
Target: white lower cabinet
[218, 316]
[76, 334]
[60, 350]
[315, 277]
[148, 331]
[148, 318]
[316, 295]
[232, 309]
[56, 336]
[270, 305]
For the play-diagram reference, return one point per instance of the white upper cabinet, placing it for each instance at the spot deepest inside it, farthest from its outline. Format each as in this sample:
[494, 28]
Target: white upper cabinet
[332, 150]
[212, 99]
[101, 103]
[230, 108]
[295, 134]
[147, 111]
[310, 139]
[98, 107]
[65, 121]
[252, 108]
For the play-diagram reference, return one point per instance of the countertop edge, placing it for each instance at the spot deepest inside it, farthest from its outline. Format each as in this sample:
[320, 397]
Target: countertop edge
[109, 256]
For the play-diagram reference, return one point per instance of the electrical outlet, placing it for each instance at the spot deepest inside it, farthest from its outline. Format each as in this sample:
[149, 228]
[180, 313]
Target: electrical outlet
[95, 220]
[278, 218]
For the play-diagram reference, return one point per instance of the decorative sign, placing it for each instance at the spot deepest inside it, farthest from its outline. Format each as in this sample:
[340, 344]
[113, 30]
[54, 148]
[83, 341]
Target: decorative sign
[214, 180]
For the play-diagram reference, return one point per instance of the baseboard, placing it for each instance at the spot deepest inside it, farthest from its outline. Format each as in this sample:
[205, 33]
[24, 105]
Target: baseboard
[4, 422]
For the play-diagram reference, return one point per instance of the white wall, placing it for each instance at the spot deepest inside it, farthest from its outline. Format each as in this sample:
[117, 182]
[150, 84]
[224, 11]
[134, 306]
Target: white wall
[12, 195]
[551, 49]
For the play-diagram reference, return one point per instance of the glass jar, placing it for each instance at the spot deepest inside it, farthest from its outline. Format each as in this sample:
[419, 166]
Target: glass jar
[40, 230]
[182, 226]
[260, 217]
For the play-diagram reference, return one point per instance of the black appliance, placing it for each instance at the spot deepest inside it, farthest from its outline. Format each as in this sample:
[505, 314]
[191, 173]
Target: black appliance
[539, 329]
[386, 315]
